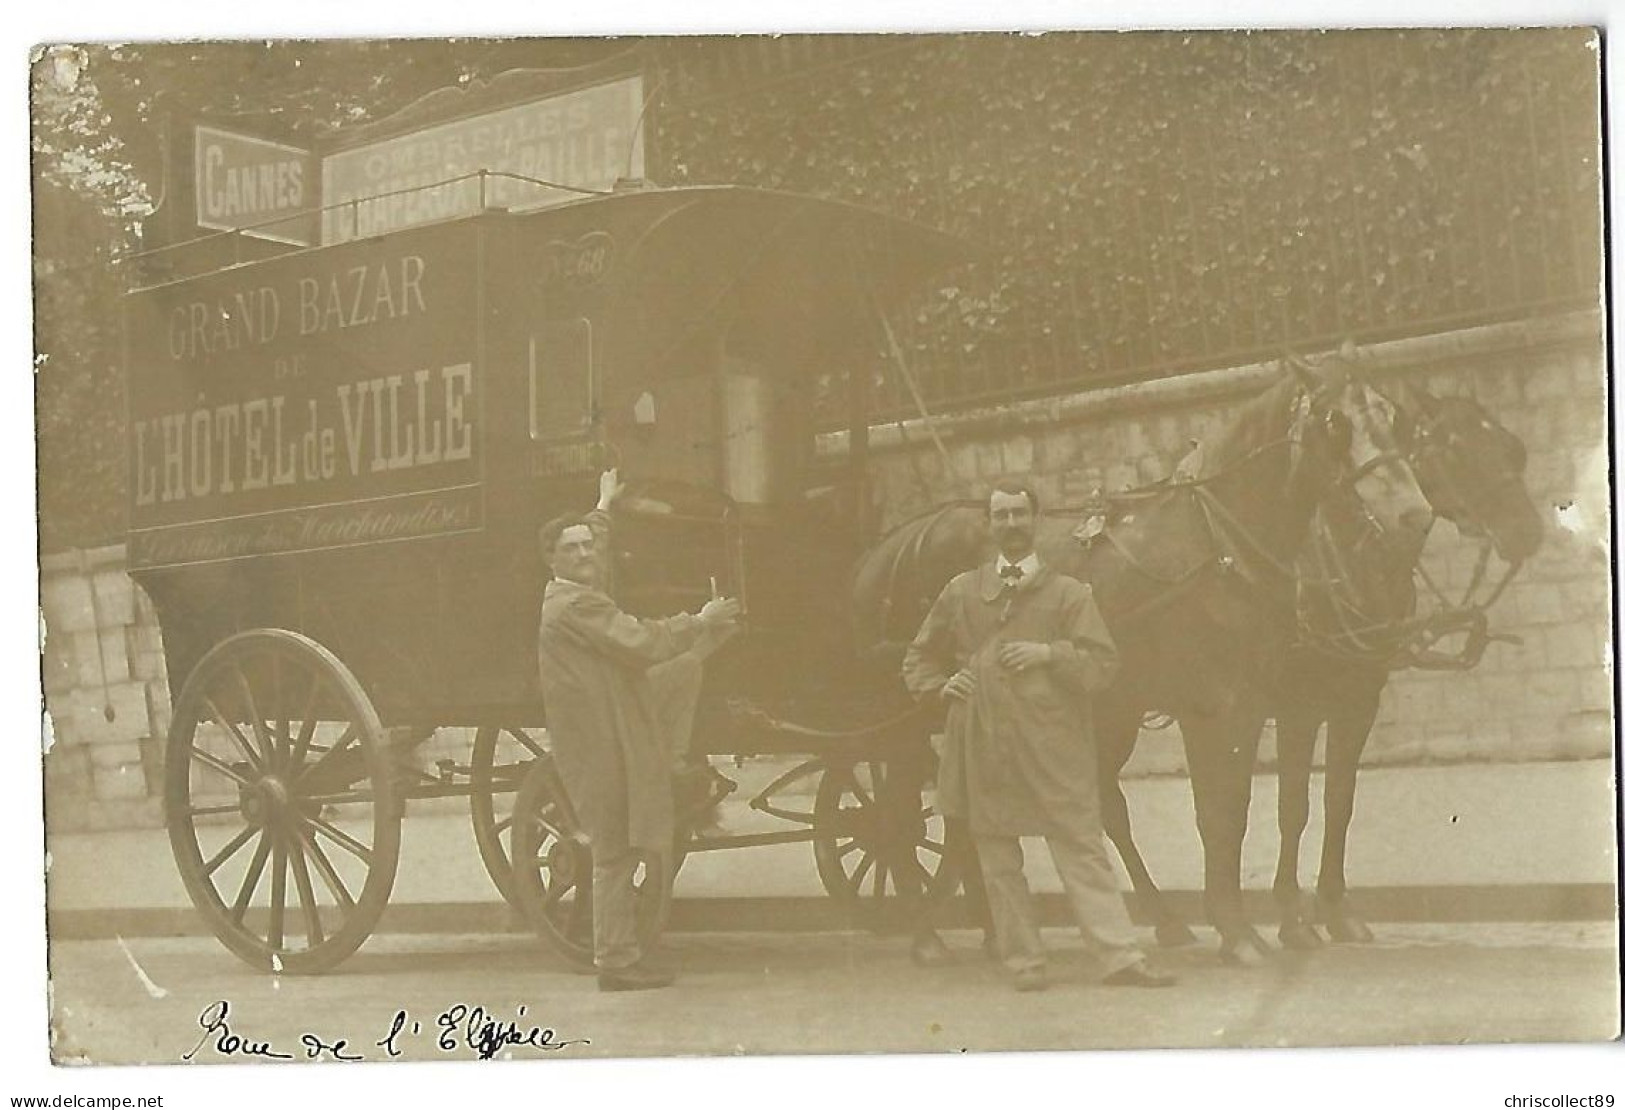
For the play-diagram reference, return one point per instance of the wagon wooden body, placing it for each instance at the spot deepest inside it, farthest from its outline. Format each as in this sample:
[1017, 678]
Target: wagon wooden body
[339, 460]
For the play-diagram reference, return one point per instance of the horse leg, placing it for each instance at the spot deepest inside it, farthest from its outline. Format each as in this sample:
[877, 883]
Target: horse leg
[1116, 730]
[1346, 733]
[1296, 727]
[1221, 752]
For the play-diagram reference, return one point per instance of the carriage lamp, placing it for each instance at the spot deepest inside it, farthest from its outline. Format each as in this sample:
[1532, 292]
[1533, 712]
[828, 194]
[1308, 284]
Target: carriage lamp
[643, 410]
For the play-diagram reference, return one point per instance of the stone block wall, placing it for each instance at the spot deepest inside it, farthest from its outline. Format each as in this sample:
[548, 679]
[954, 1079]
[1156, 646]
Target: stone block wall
[106, 693]
[1548, 697]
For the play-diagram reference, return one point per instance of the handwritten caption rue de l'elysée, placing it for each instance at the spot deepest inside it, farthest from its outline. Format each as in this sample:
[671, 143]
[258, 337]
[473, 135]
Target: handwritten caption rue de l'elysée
[461, 1029]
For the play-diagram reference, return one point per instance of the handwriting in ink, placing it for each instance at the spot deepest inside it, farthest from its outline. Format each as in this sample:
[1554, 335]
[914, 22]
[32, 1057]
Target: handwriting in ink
[227, 1043]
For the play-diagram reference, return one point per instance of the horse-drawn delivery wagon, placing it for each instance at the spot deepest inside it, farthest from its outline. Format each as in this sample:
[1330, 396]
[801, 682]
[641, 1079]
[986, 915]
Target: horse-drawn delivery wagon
[339, 460]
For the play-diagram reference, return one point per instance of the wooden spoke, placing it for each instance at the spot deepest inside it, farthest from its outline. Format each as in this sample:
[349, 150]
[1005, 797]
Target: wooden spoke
[351, 734]
[346, 797]
[218, 764]
[525, 740]
[862, 795]
[209, 811]
[504, 825]
[325, 868]
[251, 880]
[307, 895]
[862, 871]
[279, 893]
[851, 846]
[281, 730]
[307, 725]
[343, 839]
[219, 718]
[916, 871]
[232, 848]
[557, 890]
[261, 733]
[536, 860]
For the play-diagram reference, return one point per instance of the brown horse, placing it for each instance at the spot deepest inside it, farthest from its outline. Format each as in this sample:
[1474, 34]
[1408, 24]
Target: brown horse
[1194, 577]
[1358, 607]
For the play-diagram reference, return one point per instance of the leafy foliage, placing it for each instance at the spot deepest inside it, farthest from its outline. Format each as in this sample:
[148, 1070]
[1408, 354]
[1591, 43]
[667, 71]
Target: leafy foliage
[1156, 202]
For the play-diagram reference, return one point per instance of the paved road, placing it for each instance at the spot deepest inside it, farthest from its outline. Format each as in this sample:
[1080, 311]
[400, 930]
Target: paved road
[141, 999]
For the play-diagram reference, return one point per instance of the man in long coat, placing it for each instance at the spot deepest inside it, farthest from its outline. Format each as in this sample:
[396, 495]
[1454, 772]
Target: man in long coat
[609, 743]
[1016, 649]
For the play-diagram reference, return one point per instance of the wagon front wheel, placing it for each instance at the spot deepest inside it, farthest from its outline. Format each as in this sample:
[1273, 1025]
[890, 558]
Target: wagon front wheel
[282, 811]
[552, 871]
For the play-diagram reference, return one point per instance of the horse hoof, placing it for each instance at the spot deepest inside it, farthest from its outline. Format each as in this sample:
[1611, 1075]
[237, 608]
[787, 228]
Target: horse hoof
[1174, 934]
[1300, 936]
[1248, 951]
[1349, 930]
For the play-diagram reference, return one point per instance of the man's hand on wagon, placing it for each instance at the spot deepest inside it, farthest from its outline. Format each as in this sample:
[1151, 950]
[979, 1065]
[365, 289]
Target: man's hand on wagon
[720, 611]
[610, 487]
[1018, 655]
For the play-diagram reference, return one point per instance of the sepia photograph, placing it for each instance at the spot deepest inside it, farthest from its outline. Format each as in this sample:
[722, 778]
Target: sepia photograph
[757, 544]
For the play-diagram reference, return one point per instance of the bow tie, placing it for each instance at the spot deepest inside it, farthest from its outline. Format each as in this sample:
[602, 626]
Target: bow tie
[1011, 573]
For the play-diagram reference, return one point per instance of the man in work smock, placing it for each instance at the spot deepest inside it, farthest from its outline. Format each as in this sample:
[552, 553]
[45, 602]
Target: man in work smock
[1017, 649]
[611, 748]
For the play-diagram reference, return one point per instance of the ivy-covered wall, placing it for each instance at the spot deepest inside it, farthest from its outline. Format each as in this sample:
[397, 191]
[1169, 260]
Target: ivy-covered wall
[1154, 202]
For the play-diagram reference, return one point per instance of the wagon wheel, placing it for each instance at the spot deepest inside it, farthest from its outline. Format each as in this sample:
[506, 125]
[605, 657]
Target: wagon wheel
[497, 765]
[878, 843]
[552, 870]
[282, 813]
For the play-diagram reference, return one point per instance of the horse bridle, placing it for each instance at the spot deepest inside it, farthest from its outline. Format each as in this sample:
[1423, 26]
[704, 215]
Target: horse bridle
[1409, 642]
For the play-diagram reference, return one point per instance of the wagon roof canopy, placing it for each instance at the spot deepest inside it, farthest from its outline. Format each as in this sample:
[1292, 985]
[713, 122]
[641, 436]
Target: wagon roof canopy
[770, 273]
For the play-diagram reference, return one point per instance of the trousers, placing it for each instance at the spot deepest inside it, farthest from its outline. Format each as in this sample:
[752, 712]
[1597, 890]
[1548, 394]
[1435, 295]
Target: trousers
[617, 902]
[1091, 894]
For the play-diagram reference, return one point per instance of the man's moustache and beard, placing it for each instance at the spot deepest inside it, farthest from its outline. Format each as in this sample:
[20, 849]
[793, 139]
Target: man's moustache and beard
[1015, 541]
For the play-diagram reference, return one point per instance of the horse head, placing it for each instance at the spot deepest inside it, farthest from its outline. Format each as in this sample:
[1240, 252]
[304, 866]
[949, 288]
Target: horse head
[1347, 440]
[1471, 469]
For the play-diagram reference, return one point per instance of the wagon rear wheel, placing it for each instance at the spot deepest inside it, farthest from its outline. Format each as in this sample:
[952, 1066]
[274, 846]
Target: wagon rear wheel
[282, 812]
[497, 766]
[552, 871]
[878, 843]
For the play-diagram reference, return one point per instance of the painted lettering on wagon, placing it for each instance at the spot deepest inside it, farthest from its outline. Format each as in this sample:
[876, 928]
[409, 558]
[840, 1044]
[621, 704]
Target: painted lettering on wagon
[381, 424]
[351, 297]
[434, 513]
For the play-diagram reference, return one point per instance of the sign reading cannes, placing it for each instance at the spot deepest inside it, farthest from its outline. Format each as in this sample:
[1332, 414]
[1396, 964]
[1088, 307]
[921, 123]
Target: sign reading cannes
[243, 181]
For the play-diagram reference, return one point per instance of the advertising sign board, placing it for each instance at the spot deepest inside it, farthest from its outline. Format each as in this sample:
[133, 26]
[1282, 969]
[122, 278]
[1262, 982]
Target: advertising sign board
[263, 187]
[584, 139]
[324, 399]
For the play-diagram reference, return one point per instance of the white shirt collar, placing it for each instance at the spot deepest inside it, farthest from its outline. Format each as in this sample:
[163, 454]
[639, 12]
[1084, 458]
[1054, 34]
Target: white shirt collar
[1029, 565]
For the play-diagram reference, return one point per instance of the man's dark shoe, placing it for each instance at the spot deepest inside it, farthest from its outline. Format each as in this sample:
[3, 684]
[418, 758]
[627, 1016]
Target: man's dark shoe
[1032, 979]
[1140, 975]
[929, 951]
[635, 978]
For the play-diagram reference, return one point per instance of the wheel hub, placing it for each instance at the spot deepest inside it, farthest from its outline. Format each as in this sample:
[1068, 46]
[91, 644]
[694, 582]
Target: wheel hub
[565, 862]
[262, 800]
